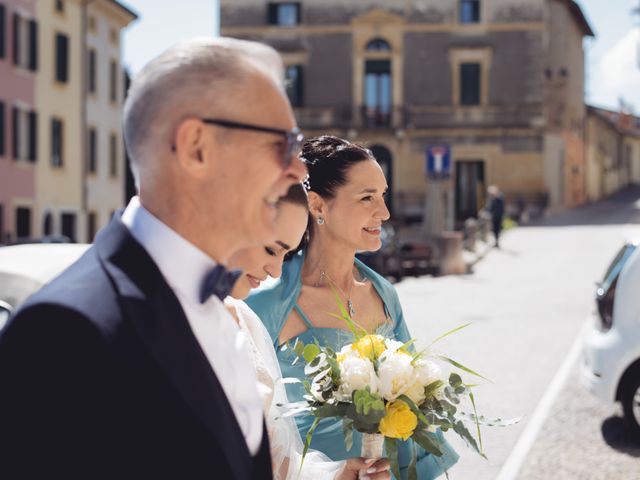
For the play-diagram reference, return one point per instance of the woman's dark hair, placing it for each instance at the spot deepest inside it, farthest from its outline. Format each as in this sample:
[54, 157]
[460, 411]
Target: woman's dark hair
[329, 159]
[296, 195]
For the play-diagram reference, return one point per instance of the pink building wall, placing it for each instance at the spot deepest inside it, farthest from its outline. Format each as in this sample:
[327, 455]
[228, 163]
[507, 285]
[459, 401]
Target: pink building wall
[17, 85]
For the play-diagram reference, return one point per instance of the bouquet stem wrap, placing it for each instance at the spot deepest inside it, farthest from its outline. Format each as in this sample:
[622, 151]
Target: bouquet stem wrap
[372, 447]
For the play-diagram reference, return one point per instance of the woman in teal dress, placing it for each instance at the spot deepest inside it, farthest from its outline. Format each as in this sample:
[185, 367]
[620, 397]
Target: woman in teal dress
[346, 190]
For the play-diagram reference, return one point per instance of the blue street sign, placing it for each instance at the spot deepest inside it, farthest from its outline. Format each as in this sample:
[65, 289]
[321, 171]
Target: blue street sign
[438, 161]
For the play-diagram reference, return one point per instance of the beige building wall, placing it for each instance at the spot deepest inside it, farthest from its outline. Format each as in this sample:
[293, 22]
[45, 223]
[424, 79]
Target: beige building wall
[634, 143]
[59, 189]
[105, 186]
[603, 162]
[565, 168]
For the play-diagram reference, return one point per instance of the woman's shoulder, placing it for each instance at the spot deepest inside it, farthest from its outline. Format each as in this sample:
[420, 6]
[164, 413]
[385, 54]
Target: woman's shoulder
[273, 303]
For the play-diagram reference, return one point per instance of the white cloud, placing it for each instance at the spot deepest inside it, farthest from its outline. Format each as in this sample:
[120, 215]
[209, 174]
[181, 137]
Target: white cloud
[617, 73]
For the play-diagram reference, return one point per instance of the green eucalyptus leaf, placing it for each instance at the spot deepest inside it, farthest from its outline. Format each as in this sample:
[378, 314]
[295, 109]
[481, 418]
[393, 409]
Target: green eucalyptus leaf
[433, 387]
[310, 352]
[428, 442]
[455, 381]
[490, 422]
[460, 428]
[391, 447]
[298, 347]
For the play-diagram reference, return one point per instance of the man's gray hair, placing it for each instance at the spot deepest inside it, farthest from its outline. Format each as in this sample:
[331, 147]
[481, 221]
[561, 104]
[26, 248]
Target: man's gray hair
[198, 77]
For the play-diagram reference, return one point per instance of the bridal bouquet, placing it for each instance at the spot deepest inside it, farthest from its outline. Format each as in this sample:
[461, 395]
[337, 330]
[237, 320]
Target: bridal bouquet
[381, 388]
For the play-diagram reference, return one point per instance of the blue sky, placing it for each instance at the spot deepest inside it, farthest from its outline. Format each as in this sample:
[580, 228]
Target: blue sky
[612, 72]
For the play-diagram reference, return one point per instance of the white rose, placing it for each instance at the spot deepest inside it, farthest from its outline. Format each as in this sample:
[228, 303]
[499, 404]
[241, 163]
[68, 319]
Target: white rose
[356, 373]
[392, 345]
[395, 374]
[426, 372]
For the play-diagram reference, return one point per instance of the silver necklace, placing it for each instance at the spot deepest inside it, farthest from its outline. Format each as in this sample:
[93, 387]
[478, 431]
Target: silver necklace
[352, 310]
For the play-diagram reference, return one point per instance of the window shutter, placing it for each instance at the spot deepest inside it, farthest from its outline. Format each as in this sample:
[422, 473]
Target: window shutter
[2, 137]
[470, 84]
[3, 33]
[16, 39]
[15, 127]
[33, 45]
[92, 71]
[272, 14]
[300, 86]
[33, 136]
[62, 58]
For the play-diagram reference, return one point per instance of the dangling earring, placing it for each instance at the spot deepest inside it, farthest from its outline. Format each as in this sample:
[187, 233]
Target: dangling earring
[320, 221]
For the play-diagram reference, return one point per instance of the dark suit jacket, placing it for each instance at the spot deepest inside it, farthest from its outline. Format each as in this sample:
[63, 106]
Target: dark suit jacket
[101, 377]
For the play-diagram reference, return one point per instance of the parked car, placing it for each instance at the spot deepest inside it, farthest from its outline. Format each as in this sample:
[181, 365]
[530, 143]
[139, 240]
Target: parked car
[611, 342]
[45, 239]
[25, 268]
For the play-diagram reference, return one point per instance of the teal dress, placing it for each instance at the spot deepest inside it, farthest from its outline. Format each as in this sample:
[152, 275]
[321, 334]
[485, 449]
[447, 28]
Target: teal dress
[274, 304]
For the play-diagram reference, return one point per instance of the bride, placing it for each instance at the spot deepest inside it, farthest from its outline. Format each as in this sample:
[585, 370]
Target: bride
[286, 446]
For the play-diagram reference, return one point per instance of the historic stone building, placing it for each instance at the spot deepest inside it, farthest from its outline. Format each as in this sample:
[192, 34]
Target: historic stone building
[494, 88]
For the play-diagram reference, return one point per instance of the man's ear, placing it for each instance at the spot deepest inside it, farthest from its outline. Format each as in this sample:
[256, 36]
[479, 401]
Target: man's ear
[190, 146]
[317, 205]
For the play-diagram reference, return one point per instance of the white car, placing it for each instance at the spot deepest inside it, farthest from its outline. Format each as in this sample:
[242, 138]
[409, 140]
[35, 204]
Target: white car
[25, 268]
[611, 343]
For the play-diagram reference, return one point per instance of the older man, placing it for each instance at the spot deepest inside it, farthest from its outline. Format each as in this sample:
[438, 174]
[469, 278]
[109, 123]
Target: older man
[128, 365]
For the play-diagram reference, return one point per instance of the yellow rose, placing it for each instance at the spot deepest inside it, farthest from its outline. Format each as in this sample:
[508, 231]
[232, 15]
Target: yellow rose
[399, 421]
[369, 345]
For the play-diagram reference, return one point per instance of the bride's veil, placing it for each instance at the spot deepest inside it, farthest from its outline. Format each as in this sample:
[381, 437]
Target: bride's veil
[284, 438]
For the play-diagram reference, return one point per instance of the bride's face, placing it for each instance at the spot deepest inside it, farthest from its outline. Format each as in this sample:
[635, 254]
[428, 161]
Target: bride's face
[260, 262]
[355, 215]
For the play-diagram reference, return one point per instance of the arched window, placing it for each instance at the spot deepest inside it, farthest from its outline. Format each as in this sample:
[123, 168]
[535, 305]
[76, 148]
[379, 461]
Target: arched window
[378, 45]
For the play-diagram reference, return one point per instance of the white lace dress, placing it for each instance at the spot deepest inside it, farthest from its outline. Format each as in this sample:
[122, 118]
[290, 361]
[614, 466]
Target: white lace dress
[284, 438]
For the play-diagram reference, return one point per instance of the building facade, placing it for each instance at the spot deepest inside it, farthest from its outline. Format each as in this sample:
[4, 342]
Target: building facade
[495, 86]
[613, 152]
[50, 186]
[105, 164]
[59, 102]
[18, 117]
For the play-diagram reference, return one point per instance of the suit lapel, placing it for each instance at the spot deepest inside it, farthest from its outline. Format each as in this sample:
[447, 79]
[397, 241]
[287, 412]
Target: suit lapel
[153, 308]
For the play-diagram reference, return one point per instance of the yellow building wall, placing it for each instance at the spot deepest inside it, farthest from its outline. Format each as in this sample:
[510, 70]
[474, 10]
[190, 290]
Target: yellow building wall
[105, 191]
[59, 190]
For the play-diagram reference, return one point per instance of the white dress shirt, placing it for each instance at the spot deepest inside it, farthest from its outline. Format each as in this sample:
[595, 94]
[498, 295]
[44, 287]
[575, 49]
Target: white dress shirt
[184, 268]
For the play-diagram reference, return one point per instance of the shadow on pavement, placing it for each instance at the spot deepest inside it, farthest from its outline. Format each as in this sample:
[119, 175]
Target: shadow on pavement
[620, 208]
[616, 436]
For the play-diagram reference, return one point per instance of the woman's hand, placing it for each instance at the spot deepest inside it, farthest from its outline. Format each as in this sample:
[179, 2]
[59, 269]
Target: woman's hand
[374, 470]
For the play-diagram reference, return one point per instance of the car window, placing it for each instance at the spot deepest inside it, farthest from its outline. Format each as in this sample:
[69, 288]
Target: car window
[5, 312]
[616, 266]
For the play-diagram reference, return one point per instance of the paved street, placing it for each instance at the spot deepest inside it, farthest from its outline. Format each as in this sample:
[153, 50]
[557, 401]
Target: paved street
[528, 303]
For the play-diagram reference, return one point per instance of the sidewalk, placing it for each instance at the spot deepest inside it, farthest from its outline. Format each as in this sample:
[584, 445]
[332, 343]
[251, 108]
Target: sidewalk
[480, 250]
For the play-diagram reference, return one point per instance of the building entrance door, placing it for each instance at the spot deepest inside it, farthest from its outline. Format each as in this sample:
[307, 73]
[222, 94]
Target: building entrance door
[470, 189]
